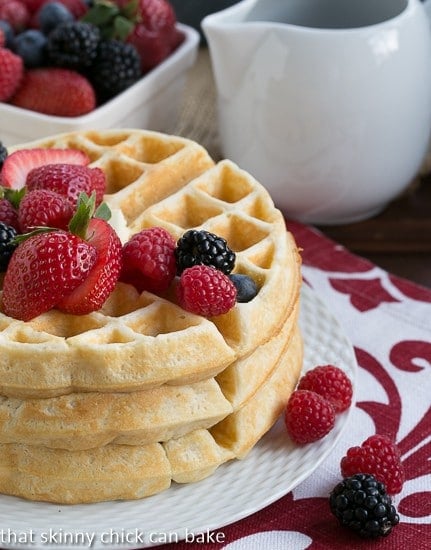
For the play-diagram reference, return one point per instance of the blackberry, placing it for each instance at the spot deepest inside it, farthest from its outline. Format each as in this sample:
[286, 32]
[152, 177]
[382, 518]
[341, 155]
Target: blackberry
[7, 246]
[3, 154]
[246, 288]
[201, 247]
[73, 45]
[116, 67]
[361, 503]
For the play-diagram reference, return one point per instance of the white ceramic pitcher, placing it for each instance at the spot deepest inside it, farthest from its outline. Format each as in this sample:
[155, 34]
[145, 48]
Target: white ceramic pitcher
[326, 102]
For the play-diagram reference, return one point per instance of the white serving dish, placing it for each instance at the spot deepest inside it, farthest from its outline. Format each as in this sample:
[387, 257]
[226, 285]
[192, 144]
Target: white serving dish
[152, 103]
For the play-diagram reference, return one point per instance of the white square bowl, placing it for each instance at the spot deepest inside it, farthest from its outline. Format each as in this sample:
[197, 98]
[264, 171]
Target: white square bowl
[152, 103]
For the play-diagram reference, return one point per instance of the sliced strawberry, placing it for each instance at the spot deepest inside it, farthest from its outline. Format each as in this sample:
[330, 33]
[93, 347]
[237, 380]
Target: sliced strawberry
[91, 294]
[19, 163]
[42, 270]
[68, 180]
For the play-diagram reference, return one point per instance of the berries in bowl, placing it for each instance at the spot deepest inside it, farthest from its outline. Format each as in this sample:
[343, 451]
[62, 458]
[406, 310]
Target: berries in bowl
[67, 66]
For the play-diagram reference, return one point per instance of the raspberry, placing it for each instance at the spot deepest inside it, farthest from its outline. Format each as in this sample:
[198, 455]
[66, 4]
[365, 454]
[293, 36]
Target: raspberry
[9, 214]
[46, 208]
[308, 416]
[331, 383]
[378, 456]
[205, 291]
[361, 504]
[148, 260]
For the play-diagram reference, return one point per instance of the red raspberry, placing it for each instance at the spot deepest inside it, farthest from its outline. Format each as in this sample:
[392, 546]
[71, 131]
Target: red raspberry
[149, 261]
[15, 13]
[68, 180]
[379, 456]
[308, 416]
[42, 207]
[11, 73]
[9, 214]
[331, 383]
[205, 291]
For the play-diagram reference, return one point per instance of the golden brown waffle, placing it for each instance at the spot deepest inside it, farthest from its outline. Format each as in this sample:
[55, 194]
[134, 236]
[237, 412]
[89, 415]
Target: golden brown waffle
[81, 421]
[131, 472]
[115, 404]
[168, 181]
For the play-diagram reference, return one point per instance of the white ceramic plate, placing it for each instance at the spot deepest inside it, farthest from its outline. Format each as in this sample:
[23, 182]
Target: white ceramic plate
[237, 489]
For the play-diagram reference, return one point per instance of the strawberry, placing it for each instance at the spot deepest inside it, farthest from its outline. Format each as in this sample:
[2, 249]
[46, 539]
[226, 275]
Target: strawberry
[43, 207]
[42, 270]
[100, 281]
[68, 180]
[55, 91]
[11, 73]
[15, 13]
[19, 163]
[154, 35]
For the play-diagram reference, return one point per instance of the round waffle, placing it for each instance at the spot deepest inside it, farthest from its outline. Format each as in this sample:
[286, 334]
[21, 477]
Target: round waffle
[171, 182]
[117, 403]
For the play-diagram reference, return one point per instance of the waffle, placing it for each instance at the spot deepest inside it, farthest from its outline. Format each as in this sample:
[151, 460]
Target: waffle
[133, 472]
[118, 403]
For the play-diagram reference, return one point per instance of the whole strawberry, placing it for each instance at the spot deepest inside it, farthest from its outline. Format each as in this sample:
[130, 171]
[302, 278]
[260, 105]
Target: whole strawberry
[206, 291]
[42, 269]
[154, 35]
[149, 261]
[308, 416]
[11, 73]
[68, 180]
[55, 91]
[378, 455]
[330, 382]
[43, 207]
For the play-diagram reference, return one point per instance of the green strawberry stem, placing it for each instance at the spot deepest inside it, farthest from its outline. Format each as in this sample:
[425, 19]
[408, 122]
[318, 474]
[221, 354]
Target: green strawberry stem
[113, 22]
[14, 196]
[85, 210]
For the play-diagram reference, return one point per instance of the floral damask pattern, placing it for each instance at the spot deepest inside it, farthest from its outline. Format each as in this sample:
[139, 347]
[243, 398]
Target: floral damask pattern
[388, 320]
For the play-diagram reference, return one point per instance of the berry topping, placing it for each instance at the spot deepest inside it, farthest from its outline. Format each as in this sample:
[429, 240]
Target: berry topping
[205, 291]
[42, 269]
[308, 416]
[330, 382]
[43, 207]
[378, 455]
[100, 281]
[68, 180]
[18, 164]
[361, 504]
[8, 213]
[7, 244]
[201, 247]
[246, 288]
[148, 260]
[55, 91]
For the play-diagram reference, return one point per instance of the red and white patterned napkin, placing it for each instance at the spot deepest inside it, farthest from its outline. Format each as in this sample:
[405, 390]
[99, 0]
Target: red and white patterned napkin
[388, 321]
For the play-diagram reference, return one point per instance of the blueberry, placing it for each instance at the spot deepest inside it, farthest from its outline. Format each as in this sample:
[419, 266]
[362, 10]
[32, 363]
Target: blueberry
[30, 45]
[8, 32]
[52, 14]
[246, 288]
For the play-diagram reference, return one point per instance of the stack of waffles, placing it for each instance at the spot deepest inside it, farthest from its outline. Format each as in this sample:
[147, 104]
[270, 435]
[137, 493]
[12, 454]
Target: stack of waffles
[119, 403]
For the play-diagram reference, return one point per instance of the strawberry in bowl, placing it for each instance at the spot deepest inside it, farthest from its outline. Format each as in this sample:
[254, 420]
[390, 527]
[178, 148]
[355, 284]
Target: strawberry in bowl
[70, 72]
